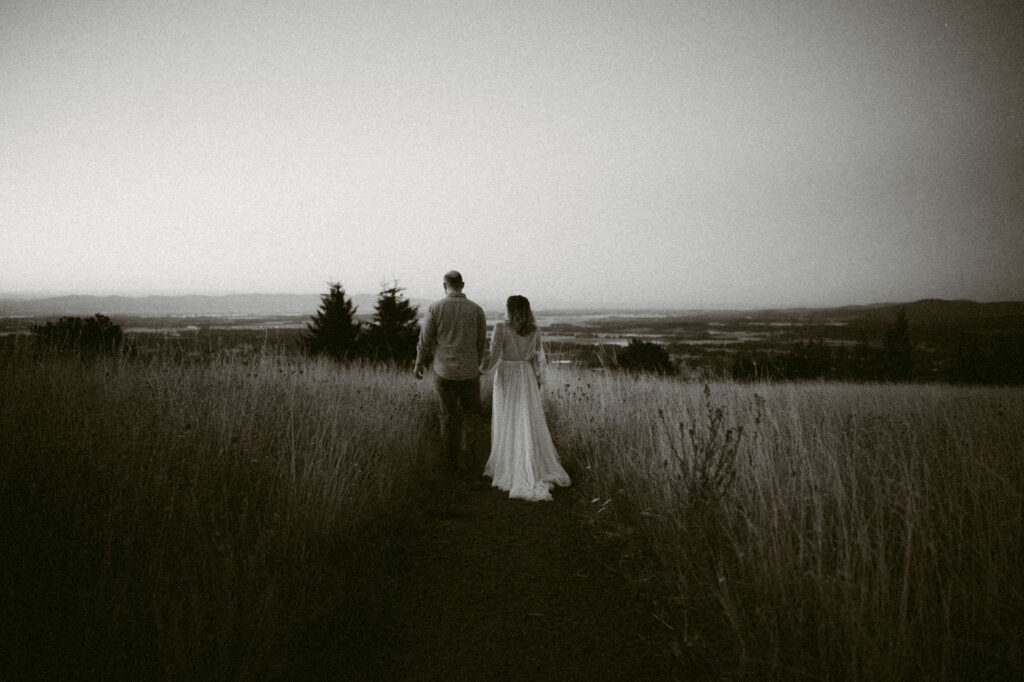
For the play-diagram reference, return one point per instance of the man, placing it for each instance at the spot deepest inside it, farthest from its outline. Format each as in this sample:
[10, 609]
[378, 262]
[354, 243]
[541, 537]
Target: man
[454, 336]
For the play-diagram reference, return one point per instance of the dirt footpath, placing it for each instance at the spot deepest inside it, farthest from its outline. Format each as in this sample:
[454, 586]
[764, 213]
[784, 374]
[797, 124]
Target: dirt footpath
[487, 588]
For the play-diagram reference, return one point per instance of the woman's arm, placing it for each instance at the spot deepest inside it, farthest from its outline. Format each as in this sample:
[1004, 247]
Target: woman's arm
[539, 361]
[493, 356]
[425, 344]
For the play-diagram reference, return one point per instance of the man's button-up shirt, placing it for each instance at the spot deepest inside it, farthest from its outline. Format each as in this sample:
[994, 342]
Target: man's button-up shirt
[454, 335]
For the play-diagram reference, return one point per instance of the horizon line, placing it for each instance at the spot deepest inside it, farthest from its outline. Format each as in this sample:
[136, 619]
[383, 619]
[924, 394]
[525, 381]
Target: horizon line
[39, 296]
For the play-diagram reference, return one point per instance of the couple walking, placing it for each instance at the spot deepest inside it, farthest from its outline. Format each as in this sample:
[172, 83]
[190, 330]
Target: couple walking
[523, 460]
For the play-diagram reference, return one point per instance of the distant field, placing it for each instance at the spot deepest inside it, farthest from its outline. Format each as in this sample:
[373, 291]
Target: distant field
[952, 341]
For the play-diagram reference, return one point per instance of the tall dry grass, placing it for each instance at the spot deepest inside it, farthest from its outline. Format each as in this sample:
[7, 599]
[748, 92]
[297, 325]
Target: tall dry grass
[161, 518]
[164, 518]
[822, 531]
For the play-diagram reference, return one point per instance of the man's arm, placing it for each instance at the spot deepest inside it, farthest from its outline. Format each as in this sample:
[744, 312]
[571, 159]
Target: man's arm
[494, 354]
[425, 344]
[481, 336]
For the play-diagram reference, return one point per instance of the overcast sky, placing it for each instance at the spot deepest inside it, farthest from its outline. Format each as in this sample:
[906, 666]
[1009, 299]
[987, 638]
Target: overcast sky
[657, 154]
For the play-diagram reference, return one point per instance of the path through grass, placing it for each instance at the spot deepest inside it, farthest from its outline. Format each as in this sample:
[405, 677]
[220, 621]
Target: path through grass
[488, 588]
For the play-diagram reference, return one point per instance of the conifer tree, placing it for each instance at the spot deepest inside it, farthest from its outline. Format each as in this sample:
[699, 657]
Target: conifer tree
[334, 331]
[395, 329]
[899, 349]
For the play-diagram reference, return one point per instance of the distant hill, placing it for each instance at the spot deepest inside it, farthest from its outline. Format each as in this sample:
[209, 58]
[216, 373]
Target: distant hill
[928, 311]
[925, 311]
[160, 306]
[938, 310]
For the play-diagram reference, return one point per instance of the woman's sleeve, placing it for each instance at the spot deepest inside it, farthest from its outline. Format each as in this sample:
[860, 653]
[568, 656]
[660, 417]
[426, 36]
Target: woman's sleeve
[494, 354]
[539, 361]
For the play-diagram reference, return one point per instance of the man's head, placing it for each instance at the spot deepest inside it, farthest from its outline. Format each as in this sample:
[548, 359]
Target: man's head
[453, 281]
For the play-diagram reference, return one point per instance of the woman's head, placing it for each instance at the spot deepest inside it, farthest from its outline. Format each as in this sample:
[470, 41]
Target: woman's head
[520, 317]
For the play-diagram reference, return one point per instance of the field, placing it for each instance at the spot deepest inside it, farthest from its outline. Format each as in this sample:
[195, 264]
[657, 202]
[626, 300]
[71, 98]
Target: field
[168, 509]
[167, 513]
[818, 530]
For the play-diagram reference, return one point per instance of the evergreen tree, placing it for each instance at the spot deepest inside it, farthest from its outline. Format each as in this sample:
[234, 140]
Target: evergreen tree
[898, 348]
[395, 329]
[334, 331]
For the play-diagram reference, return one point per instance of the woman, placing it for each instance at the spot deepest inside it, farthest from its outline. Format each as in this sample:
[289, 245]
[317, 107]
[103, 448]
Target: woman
[523, 460]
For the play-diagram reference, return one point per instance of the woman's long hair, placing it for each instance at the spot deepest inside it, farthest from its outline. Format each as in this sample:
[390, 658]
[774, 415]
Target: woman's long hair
[520, 317]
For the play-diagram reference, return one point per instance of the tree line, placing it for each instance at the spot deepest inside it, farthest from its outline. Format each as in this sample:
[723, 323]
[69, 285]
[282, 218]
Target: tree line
[390, 337]
[967, 357]
[334, 331]
[972, 358]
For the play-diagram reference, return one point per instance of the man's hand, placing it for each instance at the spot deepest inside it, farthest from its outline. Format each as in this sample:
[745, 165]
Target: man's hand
[418, 371]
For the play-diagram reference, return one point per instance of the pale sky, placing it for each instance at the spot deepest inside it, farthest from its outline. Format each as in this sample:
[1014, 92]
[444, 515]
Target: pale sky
[645, 154]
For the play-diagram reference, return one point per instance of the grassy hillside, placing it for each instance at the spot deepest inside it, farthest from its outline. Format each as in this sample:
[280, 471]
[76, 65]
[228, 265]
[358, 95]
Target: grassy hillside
[170, 517]
[163, 512]
[816, 530]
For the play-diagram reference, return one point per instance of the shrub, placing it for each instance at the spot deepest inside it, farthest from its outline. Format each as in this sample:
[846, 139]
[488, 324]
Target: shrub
[91, 335]
[644, 356]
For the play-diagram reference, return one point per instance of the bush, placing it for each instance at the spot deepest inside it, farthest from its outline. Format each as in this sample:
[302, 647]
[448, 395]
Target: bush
[91, 335]
[644, 356]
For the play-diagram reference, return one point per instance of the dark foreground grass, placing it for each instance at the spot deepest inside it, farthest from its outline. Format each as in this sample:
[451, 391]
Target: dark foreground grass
[170, 520]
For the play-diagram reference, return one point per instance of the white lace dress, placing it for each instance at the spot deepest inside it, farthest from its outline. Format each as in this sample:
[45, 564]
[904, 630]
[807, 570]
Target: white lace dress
[523, 460]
